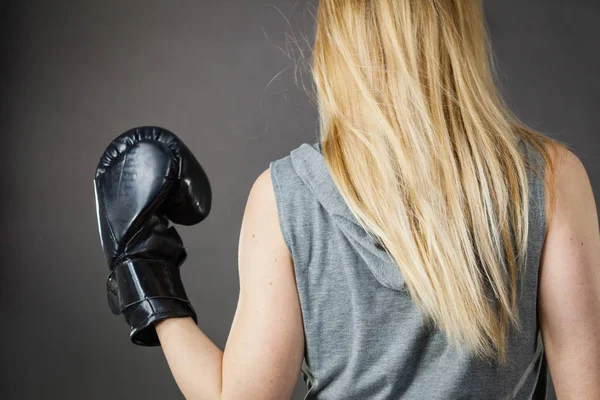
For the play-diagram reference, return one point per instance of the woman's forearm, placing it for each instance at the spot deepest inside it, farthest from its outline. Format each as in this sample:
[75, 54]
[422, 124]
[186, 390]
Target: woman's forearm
[195, 361]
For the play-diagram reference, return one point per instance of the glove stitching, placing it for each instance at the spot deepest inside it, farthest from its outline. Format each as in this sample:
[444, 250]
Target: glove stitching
[149, 260]
[156, 297]
[131, 241]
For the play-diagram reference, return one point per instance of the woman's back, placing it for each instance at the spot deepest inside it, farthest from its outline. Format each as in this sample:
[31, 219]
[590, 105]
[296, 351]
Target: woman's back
[365, 338]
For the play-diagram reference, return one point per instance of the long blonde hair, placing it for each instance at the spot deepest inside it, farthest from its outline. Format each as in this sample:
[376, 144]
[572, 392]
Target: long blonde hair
[425, 153]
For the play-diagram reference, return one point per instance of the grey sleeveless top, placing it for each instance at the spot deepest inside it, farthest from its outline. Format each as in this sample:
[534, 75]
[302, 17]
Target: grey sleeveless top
[364, 336]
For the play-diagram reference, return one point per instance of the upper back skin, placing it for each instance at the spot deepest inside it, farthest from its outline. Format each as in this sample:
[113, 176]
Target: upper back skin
[569, 283]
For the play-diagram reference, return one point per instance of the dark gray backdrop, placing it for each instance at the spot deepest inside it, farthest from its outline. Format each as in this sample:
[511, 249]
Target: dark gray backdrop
[77, 73]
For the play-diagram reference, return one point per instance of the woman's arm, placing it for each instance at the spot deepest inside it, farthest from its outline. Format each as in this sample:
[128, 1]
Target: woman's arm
[195, 361]
[265, 347]
[569, 287]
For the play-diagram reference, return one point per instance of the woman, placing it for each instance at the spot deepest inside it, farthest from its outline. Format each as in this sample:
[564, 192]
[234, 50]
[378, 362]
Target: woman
[428, 246]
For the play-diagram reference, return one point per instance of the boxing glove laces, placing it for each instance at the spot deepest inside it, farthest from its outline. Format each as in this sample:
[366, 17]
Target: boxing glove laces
[145, 179]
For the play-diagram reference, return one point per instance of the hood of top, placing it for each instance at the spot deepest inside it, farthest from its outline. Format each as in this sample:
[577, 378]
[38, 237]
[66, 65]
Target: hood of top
[310, 166]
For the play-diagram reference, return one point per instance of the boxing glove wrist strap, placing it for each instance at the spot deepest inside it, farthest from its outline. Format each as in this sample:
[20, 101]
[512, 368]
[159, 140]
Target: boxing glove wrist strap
[142, 315]
[147, 291]
[133, 281]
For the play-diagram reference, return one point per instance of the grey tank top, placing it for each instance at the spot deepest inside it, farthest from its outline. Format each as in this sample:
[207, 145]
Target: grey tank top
[365, 338]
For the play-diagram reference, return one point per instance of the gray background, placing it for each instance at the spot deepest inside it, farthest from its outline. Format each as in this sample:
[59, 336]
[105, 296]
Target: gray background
[75, 74]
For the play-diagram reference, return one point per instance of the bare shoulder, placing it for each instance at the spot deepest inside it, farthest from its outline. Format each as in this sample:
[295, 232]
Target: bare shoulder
[568, 172]
[569, 282]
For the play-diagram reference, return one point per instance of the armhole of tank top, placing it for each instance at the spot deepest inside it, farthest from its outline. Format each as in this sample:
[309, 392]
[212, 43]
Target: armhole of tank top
[537, 192]
[541, 187]
[279, 169]
[536, 158]
[281, 203]
[541, 226]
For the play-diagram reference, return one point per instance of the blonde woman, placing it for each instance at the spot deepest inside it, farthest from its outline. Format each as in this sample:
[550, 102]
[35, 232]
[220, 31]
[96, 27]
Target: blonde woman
[428, 246]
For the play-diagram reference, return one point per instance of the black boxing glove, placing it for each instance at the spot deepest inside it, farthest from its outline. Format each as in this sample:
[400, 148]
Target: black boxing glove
[146, 178]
